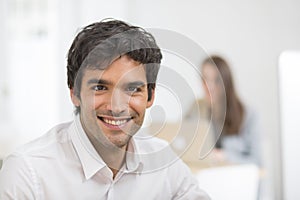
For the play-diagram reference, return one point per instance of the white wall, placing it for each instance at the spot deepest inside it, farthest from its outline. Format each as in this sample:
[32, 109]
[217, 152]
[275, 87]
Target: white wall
[29, 72]
[3, 68]
[5, 115]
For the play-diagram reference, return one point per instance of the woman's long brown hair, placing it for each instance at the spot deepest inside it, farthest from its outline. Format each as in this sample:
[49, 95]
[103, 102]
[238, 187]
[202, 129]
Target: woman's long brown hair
[234, 107]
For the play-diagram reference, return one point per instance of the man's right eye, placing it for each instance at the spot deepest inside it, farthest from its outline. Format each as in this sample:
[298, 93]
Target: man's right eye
[99, 88]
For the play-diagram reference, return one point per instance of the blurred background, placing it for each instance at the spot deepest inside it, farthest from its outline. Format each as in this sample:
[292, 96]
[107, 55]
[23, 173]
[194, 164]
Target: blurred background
[259, 38]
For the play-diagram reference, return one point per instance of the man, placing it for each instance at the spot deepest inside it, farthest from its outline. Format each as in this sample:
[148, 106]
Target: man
[112, 70]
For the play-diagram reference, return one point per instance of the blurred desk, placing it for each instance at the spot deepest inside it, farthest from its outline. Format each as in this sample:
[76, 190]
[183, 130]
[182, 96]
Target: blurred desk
[233, 182]
[196, 167]
[220, 180]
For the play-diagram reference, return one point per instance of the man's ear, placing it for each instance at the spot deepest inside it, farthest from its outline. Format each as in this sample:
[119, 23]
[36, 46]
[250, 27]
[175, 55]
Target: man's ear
[151, 101]
[74, 98]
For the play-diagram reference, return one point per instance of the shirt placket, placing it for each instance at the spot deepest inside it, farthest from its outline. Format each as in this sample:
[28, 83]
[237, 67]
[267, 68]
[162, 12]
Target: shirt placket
[113, 182]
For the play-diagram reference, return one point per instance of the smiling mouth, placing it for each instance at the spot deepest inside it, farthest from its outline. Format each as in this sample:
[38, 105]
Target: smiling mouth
[115, 121]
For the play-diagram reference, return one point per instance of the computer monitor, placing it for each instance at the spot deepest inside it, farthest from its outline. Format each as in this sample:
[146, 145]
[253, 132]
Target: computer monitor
[289, 93]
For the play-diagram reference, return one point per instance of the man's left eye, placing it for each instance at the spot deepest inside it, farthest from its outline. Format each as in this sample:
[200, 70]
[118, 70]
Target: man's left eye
[99, 87]
[133, 89]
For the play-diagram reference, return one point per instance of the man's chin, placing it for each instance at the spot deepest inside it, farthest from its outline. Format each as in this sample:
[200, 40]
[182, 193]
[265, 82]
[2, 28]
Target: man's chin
[117, 143]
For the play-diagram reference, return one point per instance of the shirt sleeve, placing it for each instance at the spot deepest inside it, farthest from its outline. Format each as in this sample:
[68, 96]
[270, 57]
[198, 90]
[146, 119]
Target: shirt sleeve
[17, 180]
[183, 183]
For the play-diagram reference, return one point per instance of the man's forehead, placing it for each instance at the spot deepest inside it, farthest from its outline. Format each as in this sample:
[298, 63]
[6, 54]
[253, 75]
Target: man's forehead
[118, 76]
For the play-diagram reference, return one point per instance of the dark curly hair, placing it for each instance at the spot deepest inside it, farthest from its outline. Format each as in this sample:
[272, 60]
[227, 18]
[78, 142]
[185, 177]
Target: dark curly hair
[99, 44]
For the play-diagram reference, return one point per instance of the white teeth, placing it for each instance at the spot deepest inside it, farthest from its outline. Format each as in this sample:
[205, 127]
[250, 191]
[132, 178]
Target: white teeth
[114, 122]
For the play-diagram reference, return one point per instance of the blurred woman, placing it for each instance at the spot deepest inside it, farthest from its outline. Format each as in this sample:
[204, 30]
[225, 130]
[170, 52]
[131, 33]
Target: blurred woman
[234, 125]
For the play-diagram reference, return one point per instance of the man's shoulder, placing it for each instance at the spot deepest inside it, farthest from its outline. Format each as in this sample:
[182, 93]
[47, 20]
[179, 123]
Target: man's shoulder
[20, 167]
[46, 144]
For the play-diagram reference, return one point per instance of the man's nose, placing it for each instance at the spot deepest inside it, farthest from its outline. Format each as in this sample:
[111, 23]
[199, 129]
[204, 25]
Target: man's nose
[118, 102]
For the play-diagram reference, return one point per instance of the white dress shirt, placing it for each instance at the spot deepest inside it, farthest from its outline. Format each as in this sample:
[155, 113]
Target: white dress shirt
[63, 164]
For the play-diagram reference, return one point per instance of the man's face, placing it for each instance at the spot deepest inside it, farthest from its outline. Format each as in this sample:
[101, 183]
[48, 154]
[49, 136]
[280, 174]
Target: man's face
[113, 102]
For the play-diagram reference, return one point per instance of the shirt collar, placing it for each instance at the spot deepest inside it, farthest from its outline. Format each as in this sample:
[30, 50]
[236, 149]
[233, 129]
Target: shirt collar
[90, 159]
[133, 161]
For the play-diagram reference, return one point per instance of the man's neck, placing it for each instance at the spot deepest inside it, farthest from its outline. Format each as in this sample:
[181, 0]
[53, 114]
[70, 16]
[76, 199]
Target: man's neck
[113, 156]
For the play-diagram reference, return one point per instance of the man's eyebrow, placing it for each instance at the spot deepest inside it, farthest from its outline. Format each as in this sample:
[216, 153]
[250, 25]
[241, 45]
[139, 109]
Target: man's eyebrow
[99, 81]
[136, 84]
